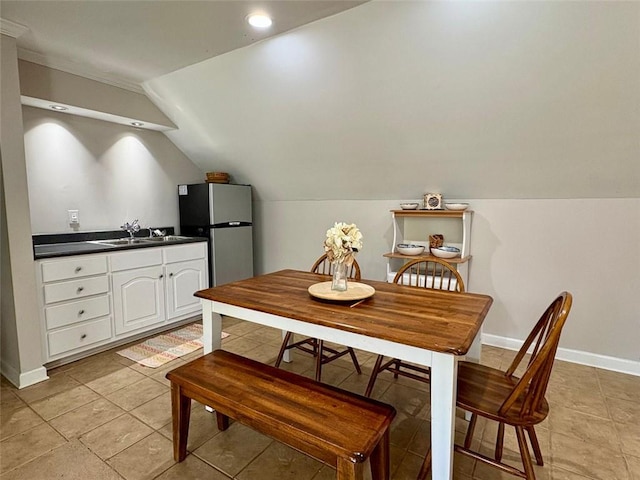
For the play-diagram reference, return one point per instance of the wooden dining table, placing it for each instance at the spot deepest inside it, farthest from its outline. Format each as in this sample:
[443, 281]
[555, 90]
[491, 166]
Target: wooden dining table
[428, 327]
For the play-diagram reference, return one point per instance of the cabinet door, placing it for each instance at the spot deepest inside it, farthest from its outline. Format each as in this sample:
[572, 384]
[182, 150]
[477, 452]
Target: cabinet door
[183, 280]
[138, 299]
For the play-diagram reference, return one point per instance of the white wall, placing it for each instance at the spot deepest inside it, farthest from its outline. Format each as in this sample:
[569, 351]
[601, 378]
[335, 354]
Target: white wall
[109, 172]
[529, 110]
[21, 359]
[394, 99]
[524, 253]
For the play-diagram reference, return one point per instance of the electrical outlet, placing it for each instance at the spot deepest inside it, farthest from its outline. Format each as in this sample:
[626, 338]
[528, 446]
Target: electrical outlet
[74, 219]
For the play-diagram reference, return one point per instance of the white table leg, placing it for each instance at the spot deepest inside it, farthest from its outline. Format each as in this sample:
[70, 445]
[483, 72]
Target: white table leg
[444, 374]
[211, 328]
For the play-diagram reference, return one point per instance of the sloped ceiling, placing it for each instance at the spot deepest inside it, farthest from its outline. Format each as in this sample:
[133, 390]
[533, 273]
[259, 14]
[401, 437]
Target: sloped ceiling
[390, 100]
[127, 42]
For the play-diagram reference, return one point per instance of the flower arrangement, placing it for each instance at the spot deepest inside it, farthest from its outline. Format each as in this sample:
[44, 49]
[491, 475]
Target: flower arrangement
[342, 241]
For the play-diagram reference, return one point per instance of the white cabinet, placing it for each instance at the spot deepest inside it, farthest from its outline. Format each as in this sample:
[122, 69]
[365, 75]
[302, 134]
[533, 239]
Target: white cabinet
[415, 226]
[182, 280]
[75, 304]
[90, 301]
[138, 298]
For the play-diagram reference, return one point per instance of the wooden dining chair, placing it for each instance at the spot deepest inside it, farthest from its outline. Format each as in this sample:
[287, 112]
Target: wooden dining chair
[432, 273]
[314, 346]
[507, 399]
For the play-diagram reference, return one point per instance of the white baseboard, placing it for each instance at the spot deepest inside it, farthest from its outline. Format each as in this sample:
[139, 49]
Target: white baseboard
[22, 380]
[574, 356]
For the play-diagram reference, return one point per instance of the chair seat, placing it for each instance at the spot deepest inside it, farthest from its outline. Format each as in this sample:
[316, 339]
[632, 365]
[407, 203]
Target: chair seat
[483, 389]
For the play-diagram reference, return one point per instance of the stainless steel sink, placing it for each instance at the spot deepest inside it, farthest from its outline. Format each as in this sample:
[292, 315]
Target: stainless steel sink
[119, 241]
[168, 238]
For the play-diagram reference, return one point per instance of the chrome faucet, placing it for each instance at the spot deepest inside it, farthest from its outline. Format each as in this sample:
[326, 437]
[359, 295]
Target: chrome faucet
[156, 232]
[132, 228]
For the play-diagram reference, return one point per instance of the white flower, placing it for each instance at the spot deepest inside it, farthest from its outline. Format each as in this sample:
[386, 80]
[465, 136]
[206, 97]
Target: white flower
[342, 241]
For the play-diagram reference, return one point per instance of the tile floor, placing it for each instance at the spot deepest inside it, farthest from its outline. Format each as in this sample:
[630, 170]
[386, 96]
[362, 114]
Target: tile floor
[106, 417]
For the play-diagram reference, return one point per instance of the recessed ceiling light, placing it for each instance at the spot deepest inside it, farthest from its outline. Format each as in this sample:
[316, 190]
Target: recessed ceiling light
[137, 124]
[59, 107]
[259, 20]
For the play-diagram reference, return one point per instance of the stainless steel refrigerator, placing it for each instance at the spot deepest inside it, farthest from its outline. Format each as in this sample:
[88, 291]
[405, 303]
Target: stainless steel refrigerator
[222, 213]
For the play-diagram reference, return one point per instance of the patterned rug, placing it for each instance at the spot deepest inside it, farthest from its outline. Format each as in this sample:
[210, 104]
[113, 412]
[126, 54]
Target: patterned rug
[159, 350]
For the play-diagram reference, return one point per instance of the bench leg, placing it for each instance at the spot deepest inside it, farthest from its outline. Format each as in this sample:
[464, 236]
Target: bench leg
[347, 470]
[180, 413]
[380, 459]
[222, 420]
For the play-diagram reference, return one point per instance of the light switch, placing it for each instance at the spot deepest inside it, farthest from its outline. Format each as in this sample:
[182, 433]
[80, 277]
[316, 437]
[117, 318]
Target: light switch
[74, 219]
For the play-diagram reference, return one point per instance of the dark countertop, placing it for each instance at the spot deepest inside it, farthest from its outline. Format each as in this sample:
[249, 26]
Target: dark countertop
[63, 245]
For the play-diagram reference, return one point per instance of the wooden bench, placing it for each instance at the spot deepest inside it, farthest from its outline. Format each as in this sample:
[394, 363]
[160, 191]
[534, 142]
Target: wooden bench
[337, 427]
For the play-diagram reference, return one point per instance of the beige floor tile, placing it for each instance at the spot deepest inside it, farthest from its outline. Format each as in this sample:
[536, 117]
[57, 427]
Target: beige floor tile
[111, 438]
[64, 402]
[192, 468]
[232, 450]
[624, 411]
[560, 474]
[71, 461]
[150, 372]
[156, 413]
[268, 335]
[160, 374]
[24, 447]
[241, 345]
[90, 369]
[629, 434]
[56, 384]
[144, 460]
[202, 427]
[409, 401]
[17, 421]
[587, 459]
[241, 328]
[584, 398]
[280, 462]
[137, 393]
[584, 426]
[84, 419]
[357, 383]
[10, 401]
[403, 430]
[115, 381]
[263, 353]
[634, 467]
[619, 385]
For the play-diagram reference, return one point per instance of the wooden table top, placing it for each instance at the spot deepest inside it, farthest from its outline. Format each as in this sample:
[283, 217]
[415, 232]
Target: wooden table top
[431, 319]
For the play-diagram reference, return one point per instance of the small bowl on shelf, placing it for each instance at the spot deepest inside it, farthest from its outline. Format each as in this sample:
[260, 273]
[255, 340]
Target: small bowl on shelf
[409, 206]
[409, 249]
[445, 252]
[456, 206]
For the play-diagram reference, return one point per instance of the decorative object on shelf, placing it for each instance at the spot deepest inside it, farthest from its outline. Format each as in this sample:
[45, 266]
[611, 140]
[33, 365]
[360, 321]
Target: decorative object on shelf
[409, 206]
[456, 206]
[409, 249]
[433, 201]
[217, 177]
[446, 252]
[436, 240]
[340, 244]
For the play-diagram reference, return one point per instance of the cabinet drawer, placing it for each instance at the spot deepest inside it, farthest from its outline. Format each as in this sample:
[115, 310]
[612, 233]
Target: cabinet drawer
[74, 312]
[181, 253]
[79, 337]
[80, 288]
[142, 257]
[76, 267]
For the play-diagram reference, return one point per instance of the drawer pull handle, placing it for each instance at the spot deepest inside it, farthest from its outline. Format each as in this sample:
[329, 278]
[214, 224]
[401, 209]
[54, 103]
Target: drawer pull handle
[83, 336]
[80, 289]
[161, 276]
[81, 312]
[171, 274]
[78, 269]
